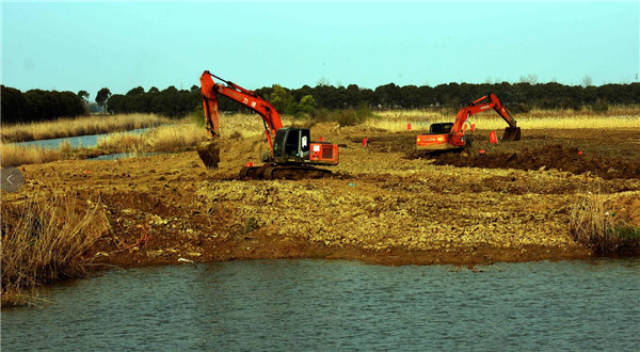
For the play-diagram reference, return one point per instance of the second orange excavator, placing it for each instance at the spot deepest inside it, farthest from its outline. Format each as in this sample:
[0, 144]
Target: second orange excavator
[292, 154]
[452, 136]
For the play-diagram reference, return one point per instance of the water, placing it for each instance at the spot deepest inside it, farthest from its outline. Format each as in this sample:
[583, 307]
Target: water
[87, 141]
[309, 305]
[122, 156]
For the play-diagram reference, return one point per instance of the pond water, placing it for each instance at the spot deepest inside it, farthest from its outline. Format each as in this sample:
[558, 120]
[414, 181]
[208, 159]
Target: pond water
[121, 156]
[317, 305]
[77, 141]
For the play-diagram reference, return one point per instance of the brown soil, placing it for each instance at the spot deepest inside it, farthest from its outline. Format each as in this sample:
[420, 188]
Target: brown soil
[378, 207]
[609, 154]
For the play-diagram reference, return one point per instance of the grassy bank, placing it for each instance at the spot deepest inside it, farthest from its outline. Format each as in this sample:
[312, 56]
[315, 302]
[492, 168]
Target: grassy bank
[162, 139]
[79, 126]
[396, 121]
[601, 226]
[45, 240]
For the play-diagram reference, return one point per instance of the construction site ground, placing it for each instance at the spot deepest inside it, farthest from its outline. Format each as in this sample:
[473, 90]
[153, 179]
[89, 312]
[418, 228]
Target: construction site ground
[383, 204]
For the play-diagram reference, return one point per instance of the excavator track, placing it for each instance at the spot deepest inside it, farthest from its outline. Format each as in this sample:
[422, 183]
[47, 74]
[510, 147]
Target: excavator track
[281, 172]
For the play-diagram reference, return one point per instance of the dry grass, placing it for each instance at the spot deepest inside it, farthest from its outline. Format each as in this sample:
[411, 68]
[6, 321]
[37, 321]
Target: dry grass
[161, 139]
[395, 121]
[595, 225]
[79, 126]
[12, 155]
[178, 136]
[44, 241]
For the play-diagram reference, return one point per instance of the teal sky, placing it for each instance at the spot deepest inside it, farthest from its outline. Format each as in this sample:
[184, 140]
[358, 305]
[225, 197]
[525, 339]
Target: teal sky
[89, 45]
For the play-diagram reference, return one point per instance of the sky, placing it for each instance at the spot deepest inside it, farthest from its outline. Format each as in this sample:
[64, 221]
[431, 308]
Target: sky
[122, 45]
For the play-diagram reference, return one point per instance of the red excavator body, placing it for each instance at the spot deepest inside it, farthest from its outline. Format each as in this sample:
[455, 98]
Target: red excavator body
[455, 136]
[292, 153]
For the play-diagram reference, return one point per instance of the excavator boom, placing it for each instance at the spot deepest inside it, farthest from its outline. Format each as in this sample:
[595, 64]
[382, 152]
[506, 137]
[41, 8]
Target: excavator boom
[248, 98]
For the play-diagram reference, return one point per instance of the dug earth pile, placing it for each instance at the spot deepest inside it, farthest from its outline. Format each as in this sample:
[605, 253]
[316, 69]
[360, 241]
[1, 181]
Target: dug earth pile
[378, 207]
[609, 154]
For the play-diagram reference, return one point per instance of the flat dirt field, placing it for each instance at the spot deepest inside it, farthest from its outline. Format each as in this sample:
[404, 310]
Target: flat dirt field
[511, 203]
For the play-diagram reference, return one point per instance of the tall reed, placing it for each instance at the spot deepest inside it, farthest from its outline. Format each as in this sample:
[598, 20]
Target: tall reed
[45, 240]
[596, 227]
[80, 126]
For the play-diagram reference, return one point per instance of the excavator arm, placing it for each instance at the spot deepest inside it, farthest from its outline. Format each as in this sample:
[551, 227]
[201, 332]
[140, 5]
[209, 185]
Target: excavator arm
[249, 99]
[480, 105]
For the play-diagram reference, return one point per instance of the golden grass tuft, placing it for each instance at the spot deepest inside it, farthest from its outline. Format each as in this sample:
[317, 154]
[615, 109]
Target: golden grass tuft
[173, 138]
[45, 240]
[595, 225]
[161, 139]
[12, 155]
[395, 121]
[67, 127]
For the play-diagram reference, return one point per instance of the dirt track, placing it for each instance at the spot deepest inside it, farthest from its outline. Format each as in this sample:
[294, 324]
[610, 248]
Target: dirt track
[380, 206]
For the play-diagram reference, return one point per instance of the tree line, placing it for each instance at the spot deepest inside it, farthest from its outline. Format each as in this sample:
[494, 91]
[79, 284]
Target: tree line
[518, 97]
[37, 105]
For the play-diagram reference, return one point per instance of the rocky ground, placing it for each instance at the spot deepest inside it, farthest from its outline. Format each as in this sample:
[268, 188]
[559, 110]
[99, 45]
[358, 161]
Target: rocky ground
[511, 203]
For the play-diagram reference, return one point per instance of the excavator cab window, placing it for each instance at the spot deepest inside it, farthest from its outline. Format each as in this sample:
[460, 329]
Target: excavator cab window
[291, 145]
[279, 142]
[440, 128]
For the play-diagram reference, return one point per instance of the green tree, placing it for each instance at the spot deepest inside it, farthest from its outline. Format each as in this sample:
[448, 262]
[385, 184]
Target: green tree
[307, 105]
[280, 98]
[102, 97]
[136, 91]
[83, 94]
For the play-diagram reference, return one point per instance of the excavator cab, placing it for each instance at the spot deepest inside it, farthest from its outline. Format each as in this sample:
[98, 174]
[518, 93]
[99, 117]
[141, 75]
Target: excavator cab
[291, 144]
[294, 145]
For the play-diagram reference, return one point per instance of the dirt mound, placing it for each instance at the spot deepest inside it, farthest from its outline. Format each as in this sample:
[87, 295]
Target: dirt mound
[390, 142]
[547, 157]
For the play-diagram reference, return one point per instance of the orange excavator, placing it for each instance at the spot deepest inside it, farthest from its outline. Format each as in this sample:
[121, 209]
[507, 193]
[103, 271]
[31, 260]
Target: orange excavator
[292, 154]
[450, 136]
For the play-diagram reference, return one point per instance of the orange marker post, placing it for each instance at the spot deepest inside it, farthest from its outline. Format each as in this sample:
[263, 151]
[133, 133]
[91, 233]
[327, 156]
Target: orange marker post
[365, 141]
[409, 126]
[493, 138]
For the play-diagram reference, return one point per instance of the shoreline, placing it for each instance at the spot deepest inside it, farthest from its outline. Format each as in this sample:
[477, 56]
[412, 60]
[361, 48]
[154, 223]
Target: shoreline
[266, 249]
[378, 206]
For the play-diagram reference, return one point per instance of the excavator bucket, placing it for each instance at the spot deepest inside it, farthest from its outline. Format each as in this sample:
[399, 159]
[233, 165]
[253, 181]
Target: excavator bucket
[209, 152]
[511, 134]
